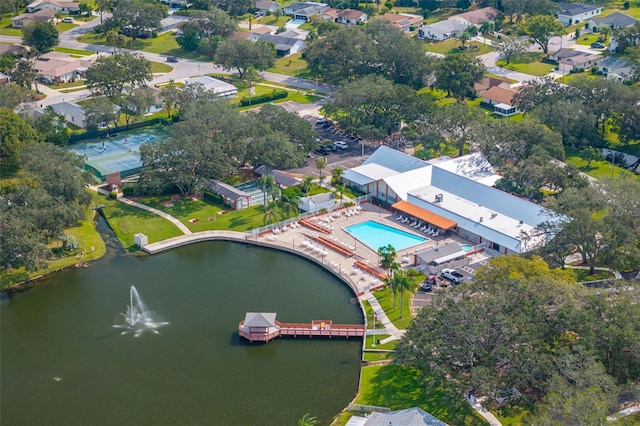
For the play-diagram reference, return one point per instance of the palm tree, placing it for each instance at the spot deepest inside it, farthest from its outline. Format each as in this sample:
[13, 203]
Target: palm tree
[271, 212]
[394, 280]
[251, 75]
[268, 184]
[605, 31]
[115, 39]
[388, 254]
[487, 27]
[321, 164]
[308, 420]
[289, 205]
[464, 37]
[405, 284]
[305, 185]
[336, 175]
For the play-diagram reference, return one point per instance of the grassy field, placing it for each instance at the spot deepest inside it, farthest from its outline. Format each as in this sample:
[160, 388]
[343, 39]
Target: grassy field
[163, 44]
[272, 20]
[91, 247]
[65, 26]
[582, 275]
[451, 46]
[399, 387]
[294, 95]
[126, 220]
[5, 26]
[385, 298]
[292, 65]
[159, 67]
[528, 63]
[598, 169]
[587, 39]
[71, 84]
[74, 51]
[187, 209]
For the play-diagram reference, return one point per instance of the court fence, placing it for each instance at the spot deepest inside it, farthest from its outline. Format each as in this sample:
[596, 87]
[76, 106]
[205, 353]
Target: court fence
[92, 134]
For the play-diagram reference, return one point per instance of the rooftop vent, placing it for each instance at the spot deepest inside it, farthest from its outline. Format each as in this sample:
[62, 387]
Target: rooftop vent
[493, 215]
[439, 198]
[521, 223]
[481, 219]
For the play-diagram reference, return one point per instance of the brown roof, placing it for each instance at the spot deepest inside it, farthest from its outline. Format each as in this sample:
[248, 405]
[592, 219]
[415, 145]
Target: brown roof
[350, 13]
[478, 16]
[488, 82]
[424, 215]
[401, 19]
[14, 49]
[261, 30]
[500, 95]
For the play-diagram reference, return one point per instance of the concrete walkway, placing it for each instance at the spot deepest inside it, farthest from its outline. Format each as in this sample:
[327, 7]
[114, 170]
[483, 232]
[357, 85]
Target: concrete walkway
[167, 216]
[476, 405]
[616, 274]
[395, 332]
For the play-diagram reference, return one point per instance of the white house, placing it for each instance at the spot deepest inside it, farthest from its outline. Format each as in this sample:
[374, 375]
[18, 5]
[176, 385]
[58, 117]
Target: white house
[405, 22]
[42, 15]
[573, 13]
[72, 112]
[616, 69]
[303, 11]
[57, 67]
[454, 195]
[218, 87]
[501, 99]
[59, 6]
[285, 45]
[442, 30]
[264, 6]
[345, 16]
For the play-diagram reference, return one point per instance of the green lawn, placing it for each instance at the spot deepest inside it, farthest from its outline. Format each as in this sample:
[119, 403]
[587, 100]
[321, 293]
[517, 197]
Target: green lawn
[598, 169]
[65, 26]
[528, 63]
[74, 51]
[272, 20]
[292, 65]
[511, 415]
[582, 275]
[186, 209]
[377, 356]
[293, 95]
[126, 220]
[451, 46]
[159, 67]
[398, 387]
[385, 298]
[164, 44]
[91, 247]
[587, 39]
[6, 29]
[71, 84]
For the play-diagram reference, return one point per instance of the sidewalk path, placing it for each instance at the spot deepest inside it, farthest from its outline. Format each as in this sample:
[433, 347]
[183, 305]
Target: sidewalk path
[493, 420]
[617, 274]
[167, 216]
[391, 329]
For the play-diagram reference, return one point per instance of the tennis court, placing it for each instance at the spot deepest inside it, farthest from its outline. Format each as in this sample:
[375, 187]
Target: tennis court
[117, 152]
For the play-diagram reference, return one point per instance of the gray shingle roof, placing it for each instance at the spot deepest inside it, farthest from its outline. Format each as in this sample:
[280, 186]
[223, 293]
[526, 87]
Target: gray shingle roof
[616, 19]
[410, 417]
[573, 9]
[260, 319]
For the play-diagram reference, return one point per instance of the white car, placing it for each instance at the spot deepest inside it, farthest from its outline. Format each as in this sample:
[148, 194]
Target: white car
[341, 145]
[68, 20]
[452, 275]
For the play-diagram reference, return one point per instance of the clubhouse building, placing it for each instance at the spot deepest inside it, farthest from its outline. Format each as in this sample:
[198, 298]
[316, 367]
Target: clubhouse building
[453, 195]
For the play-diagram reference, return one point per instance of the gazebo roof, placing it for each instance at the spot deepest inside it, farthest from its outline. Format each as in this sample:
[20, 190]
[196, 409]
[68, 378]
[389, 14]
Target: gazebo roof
[260, 319]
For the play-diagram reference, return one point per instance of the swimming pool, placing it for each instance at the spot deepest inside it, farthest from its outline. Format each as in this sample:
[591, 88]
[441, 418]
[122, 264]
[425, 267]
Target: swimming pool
[376, 235]
[466, 247]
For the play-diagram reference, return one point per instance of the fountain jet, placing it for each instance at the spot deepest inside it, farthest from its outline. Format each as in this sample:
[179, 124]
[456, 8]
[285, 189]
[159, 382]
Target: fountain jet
[138, 318]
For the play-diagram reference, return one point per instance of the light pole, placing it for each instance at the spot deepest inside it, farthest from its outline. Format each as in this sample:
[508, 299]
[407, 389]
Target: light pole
[362, 146]
[316, 83]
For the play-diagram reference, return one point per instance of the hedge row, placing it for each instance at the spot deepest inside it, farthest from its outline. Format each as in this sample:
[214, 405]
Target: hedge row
[259, 99]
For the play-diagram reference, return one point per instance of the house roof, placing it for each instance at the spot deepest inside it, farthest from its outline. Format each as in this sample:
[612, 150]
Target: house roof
[401, 183]
[566, 53]
[402, 19]
[68, 108]
[367, 173]
[281, 42]
[62, 4]
[425, 215]
[574, 9]
[42, 15]
[395, 160]
[350, 13]
[260, 319]
[444, 27]
[472, 166]
[489, 82]
[260, 29]
[265, 4]
[301, 5]
[500, 95]
[478, 16]
[616, 19]
[228, 191]
[581, 59]
[409, 417]
[613, 63]
[212, 84]
[281, 178]
[14, 49]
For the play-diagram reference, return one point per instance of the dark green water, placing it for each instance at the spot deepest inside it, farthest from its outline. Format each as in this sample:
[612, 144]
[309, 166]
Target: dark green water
[63, 363]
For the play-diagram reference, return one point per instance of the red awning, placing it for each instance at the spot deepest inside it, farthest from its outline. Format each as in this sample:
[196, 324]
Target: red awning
[424, 215]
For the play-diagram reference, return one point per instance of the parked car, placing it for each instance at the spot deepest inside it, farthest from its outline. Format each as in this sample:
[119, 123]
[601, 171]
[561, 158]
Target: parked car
[597, 45]
[323, 122]
[428, 283]
[341, 145]
[452, 275]
[172, 59]
[68, 20]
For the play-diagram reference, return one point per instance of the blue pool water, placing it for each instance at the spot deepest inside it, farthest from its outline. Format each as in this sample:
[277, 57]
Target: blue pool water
[466, 247]
[376, 235]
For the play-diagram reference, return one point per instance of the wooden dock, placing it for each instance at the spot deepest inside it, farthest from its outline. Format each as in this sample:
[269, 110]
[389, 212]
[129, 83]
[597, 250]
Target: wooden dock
[263, 327]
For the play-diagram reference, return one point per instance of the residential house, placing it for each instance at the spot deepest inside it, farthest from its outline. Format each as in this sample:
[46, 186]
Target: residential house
[14, 49]
[573, 13]
[285, 45]
[501, 99]
[405, 22]
[64, 7]
[172, 22]
[616, 69]
[266, 6]
[561, 54]
[57, 67]
[303, 11]
[442, 30]
[177, 4]
[454, 195]
[488, 82]
[218, 87]
[72, 113]
[256, 32]
[579, 63]
[476, 17]
[409, 417]
[42, 15]
[345, 16]
[615, 21]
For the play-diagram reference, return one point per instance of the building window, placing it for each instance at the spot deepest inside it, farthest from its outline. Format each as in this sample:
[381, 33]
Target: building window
[495, 246]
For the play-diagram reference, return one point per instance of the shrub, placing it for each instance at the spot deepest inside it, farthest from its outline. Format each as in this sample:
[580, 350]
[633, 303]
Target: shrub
[113, 195]
[388, 4]
[212, 197]
[267, 97]
[625, 5]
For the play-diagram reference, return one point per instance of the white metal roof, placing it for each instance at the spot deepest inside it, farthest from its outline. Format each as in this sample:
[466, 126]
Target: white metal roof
[401, 183]
[395, 160]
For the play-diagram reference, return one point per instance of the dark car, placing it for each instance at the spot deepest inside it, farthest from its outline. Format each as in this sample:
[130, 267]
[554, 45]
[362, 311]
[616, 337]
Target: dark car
[597, 45]
[172, 59]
